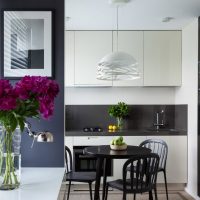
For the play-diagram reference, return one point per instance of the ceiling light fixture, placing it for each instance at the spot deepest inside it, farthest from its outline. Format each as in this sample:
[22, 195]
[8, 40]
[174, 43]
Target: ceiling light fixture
[118, 65]
[167, 19]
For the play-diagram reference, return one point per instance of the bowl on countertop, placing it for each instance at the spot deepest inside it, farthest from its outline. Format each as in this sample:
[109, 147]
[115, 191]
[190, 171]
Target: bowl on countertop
[118, 147]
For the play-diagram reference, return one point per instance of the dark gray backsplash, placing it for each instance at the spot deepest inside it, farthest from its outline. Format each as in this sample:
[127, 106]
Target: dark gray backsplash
[140, 116]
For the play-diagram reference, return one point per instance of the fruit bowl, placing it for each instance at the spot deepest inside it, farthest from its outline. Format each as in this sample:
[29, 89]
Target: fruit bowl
[118, 147]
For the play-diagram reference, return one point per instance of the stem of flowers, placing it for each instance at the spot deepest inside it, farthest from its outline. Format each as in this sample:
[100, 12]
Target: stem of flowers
[9, 176]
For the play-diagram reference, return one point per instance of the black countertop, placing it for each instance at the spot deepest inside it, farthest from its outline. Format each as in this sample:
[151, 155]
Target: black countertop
[139, 132]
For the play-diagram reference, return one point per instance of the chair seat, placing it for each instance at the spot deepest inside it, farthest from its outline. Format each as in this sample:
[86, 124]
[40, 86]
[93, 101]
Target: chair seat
[81, 176]
[129, 169]
[118, 184]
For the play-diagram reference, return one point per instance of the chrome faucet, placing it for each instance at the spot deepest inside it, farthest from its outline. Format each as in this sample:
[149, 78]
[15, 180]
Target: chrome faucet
[159, 120]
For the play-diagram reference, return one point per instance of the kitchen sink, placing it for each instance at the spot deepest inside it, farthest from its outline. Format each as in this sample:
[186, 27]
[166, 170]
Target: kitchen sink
[163, 129]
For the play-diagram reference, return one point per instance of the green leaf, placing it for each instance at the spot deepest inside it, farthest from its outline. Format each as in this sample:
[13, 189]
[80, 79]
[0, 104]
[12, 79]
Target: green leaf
[13, 122]
[21, 123]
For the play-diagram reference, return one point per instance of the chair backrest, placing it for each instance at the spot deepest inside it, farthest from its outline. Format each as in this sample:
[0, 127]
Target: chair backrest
[68, 160]
[143, 173]
[159, 147]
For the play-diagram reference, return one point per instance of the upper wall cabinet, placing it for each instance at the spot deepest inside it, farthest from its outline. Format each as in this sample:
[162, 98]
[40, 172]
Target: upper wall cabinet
[158, 54]
[130, 42]
[90, 48]
[162, 58]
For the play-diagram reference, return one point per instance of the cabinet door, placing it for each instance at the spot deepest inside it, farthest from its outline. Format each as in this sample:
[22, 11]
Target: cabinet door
[69, 58]
[176, 168]
[162, 58]
[118, 163]
[90, 48]
[130, 42]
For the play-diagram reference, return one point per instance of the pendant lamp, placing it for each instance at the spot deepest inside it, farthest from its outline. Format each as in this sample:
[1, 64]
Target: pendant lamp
[118, 65]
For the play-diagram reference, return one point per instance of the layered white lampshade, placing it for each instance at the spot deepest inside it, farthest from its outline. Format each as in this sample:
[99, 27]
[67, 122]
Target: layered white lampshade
[118, 65]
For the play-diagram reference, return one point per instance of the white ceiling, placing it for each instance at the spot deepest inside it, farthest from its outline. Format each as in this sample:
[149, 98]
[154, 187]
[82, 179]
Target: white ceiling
[135, 15]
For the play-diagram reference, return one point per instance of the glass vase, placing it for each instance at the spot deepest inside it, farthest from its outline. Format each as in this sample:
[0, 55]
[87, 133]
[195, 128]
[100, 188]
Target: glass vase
[10, 159]
[120, 123]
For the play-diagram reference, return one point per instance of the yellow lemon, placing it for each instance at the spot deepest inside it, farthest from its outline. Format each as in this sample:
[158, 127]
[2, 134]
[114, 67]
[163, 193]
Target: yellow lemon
[110, 127]
[114, 127]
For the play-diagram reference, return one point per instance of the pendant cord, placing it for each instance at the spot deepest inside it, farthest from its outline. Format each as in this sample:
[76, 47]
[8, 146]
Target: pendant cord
[117, 24]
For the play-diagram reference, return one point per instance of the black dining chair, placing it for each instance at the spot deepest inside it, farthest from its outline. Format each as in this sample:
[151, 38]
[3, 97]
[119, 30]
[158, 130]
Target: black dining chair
[159, 147]
[71, 176]
[142, 176]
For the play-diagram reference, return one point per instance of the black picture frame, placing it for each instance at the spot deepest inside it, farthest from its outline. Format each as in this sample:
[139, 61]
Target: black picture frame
[48, 69]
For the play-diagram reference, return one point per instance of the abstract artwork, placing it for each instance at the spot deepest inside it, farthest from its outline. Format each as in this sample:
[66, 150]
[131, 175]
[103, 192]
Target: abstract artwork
[27, 44]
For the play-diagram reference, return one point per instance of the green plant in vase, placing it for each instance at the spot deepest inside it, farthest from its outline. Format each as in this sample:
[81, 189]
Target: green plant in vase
[31, 97]
[119, 111]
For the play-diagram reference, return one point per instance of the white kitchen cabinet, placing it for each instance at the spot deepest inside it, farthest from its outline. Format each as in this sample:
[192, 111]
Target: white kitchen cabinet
[158, 54]
[176, 167]
[90, 48]
[162, 58]
[177, 154]
[130, 42]
[69, 58]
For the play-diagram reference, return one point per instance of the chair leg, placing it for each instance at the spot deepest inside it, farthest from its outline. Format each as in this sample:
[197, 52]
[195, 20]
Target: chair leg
[156, 196]
[90, 187]
[106, 194]
[68, 190]
[134, 197]
[150, 195]
[166, 184]
[124, 196]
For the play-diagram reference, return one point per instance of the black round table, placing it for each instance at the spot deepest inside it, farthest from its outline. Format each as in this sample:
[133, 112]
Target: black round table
[103, 153]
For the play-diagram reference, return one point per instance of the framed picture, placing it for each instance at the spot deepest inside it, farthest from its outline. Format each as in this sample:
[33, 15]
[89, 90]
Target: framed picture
[27, 43]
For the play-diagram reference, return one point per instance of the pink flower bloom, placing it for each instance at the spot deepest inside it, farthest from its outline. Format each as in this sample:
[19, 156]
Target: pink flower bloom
[7, 96]
[43, 89]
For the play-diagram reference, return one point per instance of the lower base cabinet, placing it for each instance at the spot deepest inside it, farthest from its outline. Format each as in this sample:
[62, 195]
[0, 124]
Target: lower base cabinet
[176, 160]
[176, 167]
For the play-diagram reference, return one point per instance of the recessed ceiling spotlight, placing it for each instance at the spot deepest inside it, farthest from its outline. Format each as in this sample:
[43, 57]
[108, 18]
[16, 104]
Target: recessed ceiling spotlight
[167, 19]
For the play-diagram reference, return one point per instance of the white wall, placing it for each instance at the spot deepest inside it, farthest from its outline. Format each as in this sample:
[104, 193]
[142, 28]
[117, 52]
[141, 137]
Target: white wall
[187, 94]
[132, 95]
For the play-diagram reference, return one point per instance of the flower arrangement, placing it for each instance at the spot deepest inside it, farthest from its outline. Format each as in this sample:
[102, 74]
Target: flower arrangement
[32, 96]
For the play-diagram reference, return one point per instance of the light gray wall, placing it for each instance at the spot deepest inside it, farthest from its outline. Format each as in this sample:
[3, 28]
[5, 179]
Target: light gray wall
[187, 94]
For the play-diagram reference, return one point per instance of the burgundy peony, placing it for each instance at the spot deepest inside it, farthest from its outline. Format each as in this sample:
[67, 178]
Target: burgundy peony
[29, 89]
[7, 96]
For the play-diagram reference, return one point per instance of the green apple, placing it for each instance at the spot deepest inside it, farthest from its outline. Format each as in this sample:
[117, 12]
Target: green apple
[121, 138]
[112, 141]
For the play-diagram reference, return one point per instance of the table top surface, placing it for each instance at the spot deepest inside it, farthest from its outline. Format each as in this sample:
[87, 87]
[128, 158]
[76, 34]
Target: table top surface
[36, 184]
[106, 152]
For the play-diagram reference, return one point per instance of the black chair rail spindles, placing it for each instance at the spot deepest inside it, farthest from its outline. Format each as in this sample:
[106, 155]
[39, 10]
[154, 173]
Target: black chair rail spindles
[71, 176]
[142, 170]
[159, 147]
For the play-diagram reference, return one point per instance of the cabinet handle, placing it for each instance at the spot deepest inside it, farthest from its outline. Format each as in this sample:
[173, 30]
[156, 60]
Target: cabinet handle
[92, 137]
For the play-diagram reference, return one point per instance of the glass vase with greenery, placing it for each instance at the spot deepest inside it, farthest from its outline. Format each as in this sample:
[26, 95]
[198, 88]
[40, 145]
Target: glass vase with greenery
[119, 111]
[31, 97]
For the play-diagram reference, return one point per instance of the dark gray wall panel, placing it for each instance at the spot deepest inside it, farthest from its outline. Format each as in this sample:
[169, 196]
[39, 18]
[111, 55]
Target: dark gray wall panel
[49, 154]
